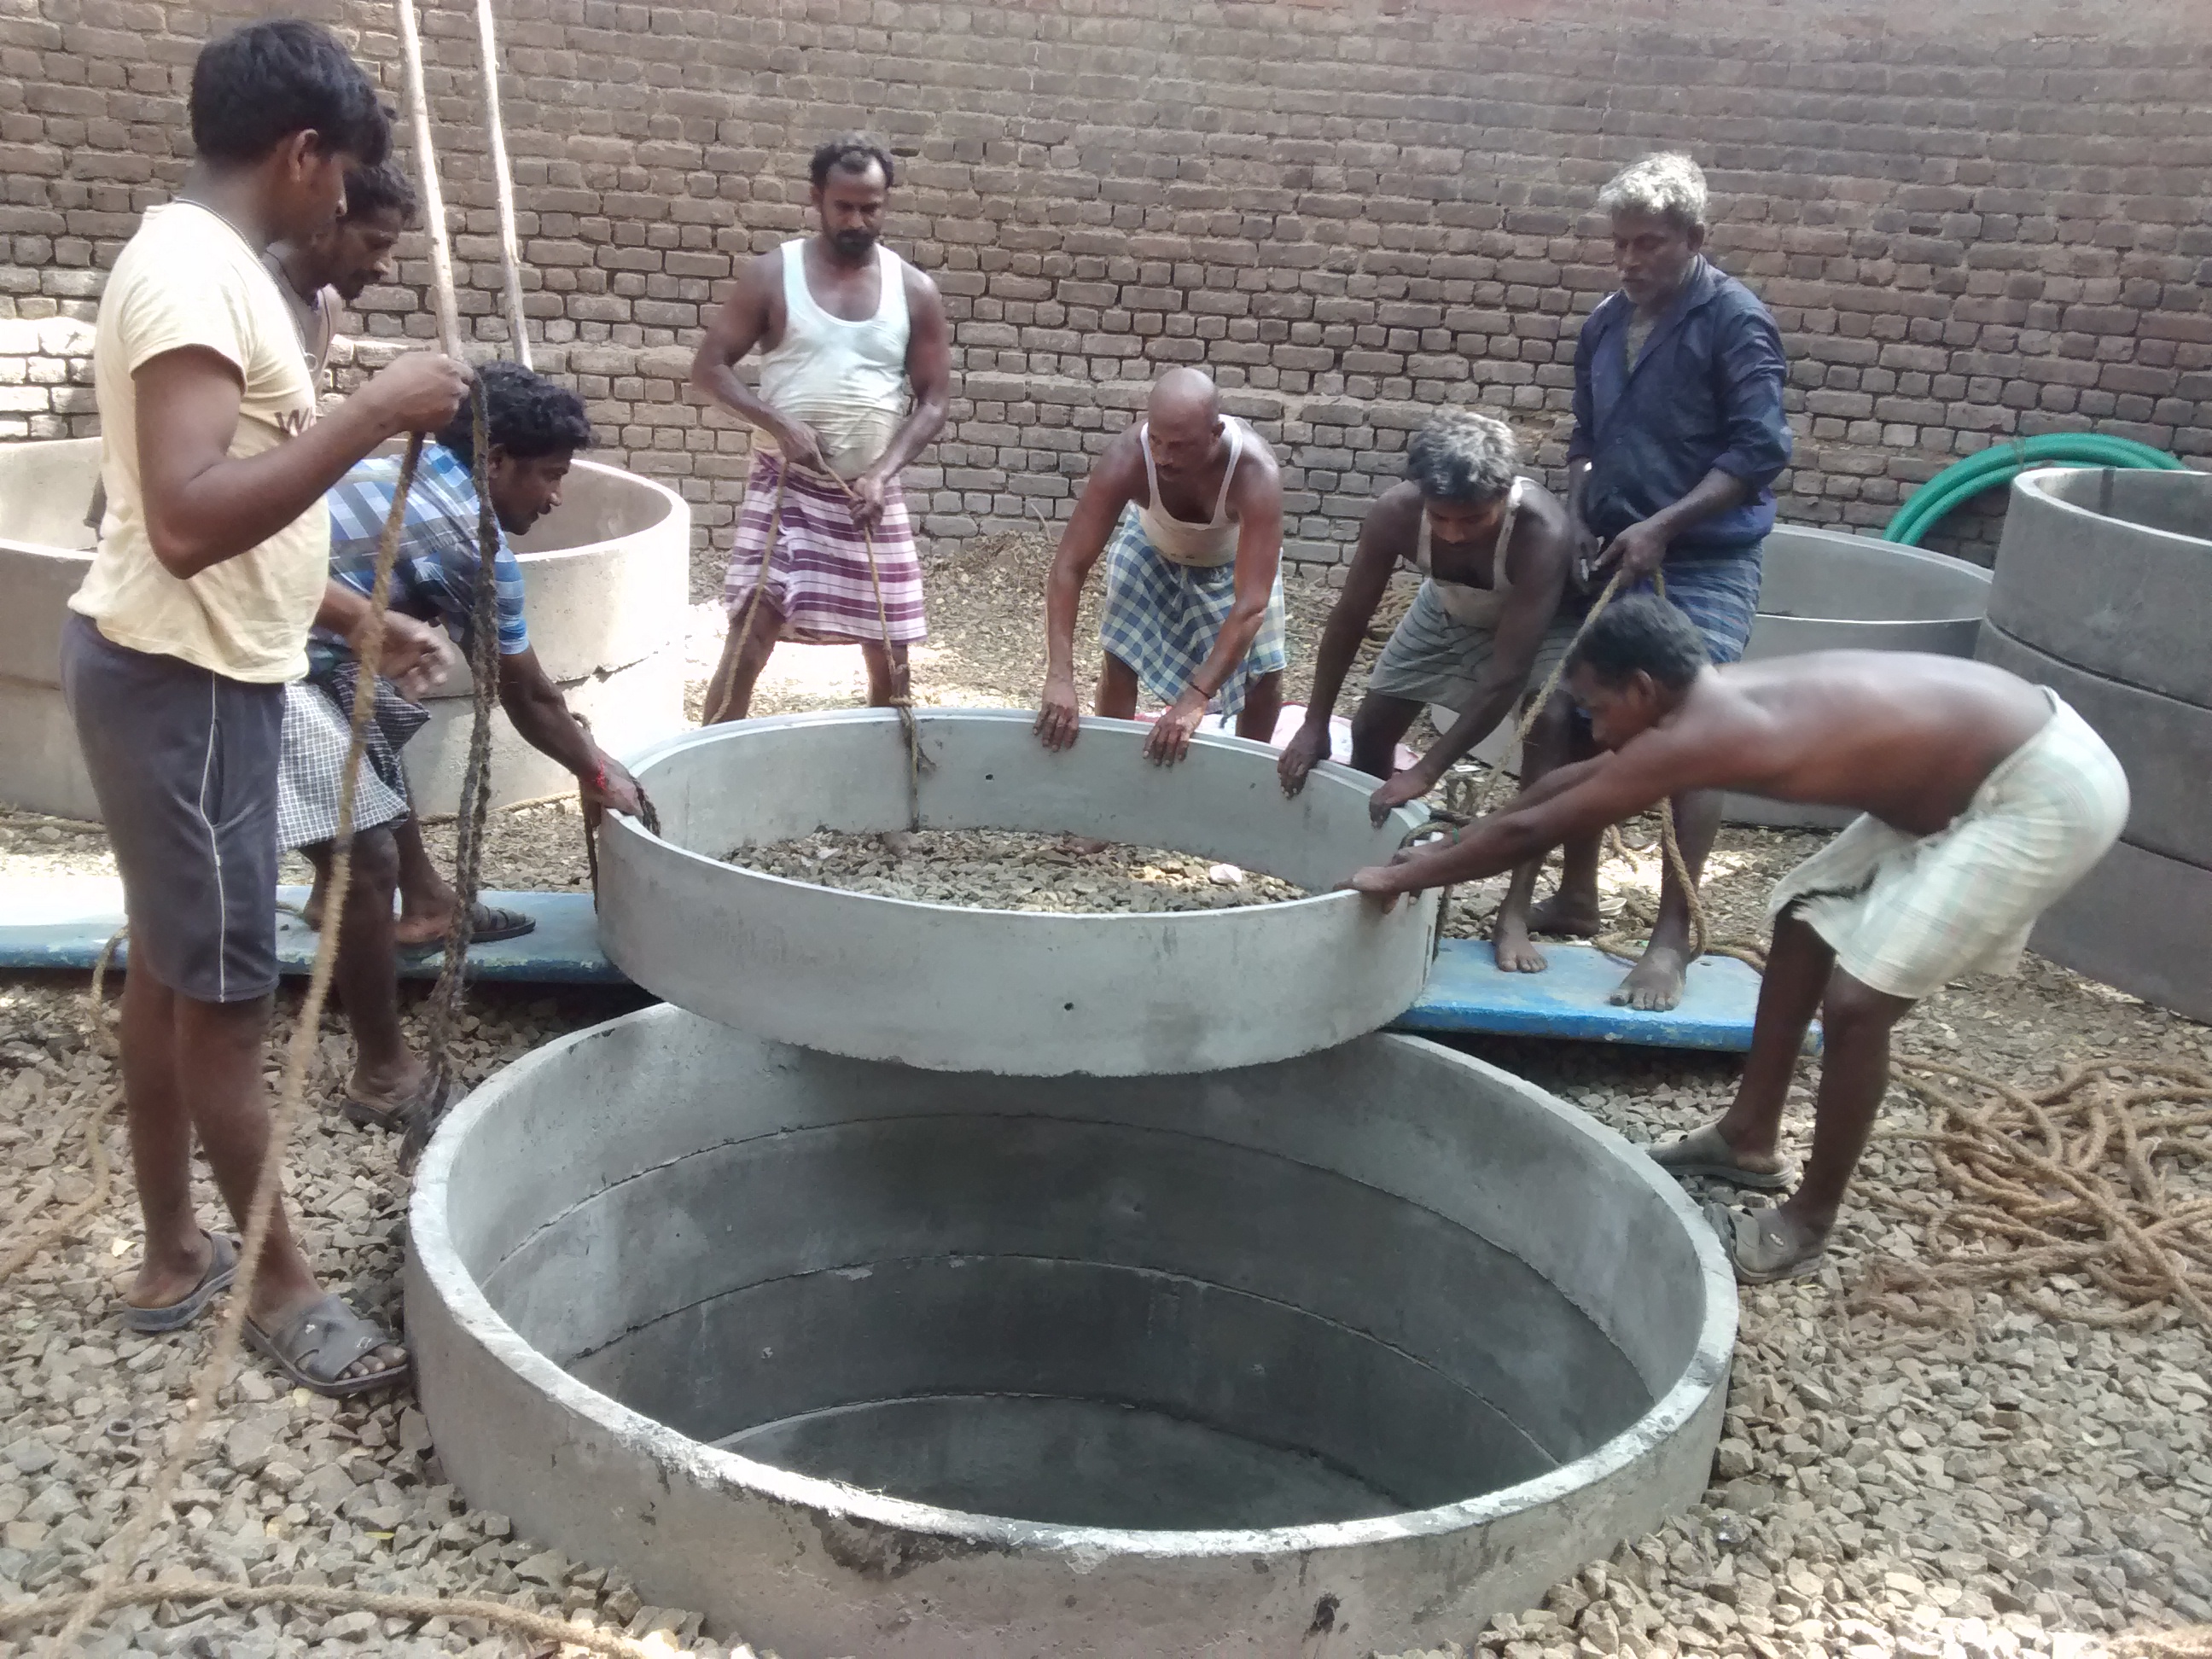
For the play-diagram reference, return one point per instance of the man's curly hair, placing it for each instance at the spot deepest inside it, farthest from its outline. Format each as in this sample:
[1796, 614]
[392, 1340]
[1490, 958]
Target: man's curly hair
[525, 414]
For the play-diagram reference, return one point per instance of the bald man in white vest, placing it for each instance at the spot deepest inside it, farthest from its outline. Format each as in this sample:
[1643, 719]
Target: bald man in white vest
[1187, 505]
[856, 368]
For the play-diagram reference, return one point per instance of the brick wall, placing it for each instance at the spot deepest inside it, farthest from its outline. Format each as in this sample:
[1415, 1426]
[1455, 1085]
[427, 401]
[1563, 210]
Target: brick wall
[1972, 220]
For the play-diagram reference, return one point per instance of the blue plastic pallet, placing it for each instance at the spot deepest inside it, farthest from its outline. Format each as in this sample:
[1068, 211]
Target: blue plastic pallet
[1466, 995]
[60, 922]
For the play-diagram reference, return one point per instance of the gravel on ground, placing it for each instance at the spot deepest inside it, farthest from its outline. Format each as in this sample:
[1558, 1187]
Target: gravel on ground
[1015, 869]
[2005, 1484]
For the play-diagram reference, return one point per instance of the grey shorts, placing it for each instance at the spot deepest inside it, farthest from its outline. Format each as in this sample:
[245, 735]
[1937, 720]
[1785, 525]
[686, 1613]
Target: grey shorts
[185, 764]
[1434, 657]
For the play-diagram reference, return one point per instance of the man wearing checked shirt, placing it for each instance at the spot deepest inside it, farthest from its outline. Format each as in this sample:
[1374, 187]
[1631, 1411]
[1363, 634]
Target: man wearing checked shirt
[534, 428]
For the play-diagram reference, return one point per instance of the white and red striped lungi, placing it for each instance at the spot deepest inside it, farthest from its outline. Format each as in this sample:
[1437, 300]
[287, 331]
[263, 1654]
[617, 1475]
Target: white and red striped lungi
[818, 576]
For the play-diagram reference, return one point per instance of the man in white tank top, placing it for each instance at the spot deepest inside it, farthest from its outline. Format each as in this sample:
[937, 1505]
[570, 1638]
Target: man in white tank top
[1493, 549]
[1187, 505]
[856, 367]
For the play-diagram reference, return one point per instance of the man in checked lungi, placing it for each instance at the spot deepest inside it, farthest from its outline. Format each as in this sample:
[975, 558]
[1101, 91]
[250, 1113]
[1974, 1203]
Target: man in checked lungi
[1679, 435]
[1187, 506]
[856, 367]
[534, 430]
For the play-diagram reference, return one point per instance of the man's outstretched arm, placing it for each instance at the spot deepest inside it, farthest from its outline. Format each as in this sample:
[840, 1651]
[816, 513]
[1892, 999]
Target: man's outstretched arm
[1365, 582]
[1111, 488]
[1576, 800]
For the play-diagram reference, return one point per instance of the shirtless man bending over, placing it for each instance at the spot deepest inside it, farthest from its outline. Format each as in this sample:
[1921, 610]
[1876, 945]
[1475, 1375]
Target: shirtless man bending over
[1187, 507]
[1984, 800]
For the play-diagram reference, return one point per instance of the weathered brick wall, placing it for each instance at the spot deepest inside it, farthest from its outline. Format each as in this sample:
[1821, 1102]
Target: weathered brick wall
[1972, 220]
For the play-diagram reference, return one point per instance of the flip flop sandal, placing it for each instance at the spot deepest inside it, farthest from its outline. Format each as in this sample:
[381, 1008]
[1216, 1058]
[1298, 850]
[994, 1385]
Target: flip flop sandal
[320, 1342]
[1704, 1152]
[488, 924]
[1759, 1249]
[381, 1112]
[221, 1268]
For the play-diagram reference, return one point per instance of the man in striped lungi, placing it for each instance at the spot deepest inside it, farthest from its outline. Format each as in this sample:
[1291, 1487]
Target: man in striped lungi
[856, 367]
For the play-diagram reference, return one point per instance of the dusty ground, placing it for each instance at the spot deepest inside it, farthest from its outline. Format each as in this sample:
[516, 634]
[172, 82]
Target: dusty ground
[2015, 1484]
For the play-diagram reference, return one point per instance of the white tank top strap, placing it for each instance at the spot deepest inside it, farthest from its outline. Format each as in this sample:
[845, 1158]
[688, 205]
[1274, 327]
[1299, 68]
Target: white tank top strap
[1209, 545]
[1478, 607]
[1499, 580]
[1228, 473]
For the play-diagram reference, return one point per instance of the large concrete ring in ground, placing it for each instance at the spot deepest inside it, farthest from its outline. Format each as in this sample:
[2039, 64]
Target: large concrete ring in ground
[605, 582]
[2103, 594]
[1328, 1357]
[1823, 590]
[956, 988]
[45, 489]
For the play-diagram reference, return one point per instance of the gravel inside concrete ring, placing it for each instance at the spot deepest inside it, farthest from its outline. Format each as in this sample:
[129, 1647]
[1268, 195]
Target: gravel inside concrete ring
[1015, 869]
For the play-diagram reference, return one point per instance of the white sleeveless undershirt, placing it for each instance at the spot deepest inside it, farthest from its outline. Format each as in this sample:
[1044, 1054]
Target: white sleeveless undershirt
[1478, 607]
[845, 380]
[1207, 545]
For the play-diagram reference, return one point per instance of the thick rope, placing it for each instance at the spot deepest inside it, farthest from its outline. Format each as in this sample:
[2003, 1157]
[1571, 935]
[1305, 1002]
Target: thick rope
[723, 687]
[475, 805]
[336, 1599]
[124, 1552]
[2058, 1181]
[917, 761]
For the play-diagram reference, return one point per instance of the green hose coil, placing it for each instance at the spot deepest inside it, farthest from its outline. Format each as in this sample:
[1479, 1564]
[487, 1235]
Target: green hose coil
[2000, 464]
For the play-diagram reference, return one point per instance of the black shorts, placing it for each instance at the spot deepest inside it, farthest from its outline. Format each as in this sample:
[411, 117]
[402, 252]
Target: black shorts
[185, 764]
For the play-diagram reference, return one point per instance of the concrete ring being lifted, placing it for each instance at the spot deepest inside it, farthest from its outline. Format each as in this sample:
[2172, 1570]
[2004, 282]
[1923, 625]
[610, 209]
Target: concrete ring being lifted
[955, 988]
[1340, 1355]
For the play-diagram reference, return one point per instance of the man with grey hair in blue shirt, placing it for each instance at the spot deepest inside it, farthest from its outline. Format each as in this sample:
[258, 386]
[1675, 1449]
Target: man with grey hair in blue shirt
[1679, 435]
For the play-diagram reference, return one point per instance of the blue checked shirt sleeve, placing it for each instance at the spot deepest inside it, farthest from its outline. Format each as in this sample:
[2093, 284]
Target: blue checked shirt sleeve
[358, 504]
[1752, 372]
[513, 632]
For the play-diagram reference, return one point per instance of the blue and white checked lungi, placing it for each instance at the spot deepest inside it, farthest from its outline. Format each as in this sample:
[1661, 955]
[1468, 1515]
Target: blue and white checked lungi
[1721, 596]
[1163, 618]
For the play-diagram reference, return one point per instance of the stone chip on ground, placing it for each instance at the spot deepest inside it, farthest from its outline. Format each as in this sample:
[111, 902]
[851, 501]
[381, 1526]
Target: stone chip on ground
[1014, 870]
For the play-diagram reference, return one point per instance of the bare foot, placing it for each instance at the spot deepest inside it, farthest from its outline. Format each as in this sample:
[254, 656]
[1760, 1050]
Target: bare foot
[421, 927]
[1515, 952]
[1656, 982]
[311, 912]
[392, 1085]
[1566, 918]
